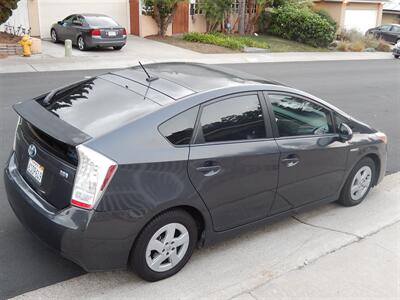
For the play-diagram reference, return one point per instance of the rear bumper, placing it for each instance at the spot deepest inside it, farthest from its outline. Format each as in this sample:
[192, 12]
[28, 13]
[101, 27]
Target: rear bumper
[101, 42]
[87, 237]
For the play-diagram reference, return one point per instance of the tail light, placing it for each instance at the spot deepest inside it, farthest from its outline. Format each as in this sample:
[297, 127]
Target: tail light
[123, 31]
[16, 132]
[381, 136]
[93, 175]
[95, 32]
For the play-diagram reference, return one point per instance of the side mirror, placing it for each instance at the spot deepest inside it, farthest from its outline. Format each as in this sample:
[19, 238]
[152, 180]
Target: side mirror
[345, 132]
[60, 22]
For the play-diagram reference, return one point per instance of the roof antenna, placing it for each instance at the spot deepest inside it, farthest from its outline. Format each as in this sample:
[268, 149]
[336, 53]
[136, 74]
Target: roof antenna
[149, 78]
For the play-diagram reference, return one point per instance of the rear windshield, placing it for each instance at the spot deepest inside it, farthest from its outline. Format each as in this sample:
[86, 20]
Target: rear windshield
[98, 106]
[101, 21]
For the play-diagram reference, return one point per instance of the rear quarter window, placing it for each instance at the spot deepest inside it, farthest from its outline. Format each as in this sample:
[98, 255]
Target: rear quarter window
[179, 129]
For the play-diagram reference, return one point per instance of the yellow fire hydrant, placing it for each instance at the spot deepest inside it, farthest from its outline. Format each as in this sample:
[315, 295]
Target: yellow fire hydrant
[26, 44]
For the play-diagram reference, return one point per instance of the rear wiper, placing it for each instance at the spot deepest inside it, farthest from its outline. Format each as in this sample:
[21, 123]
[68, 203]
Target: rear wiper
[149, 78]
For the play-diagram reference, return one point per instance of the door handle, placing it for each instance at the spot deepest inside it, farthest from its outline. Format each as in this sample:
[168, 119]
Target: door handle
[209, 170]
[291, 161]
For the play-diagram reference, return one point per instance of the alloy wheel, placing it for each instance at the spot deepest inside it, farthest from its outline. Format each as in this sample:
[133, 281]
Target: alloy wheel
[54, 35]
[361, 183]
[81, 43]
[167, 247]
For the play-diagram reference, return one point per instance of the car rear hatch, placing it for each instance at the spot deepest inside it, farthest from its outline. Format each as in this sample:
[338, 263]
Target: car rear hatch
[52, 126]
[50, 168]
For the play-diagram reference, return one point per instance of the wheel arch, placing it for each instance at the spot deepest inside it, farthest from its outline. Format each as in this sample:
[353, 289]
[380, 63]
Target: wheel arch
[194, 212]
[377, 163]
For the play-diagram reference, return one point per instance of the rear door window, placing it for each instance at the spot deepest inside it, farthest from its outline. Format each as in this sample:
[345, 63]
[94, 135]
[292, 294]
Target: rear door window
[296, 116]
[396, 29]
[233, 119]
[179, 129]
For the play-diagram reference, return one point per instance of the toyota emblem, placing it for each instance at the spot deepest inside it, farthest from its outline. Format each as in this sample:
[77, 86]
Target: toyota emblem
[32, 150]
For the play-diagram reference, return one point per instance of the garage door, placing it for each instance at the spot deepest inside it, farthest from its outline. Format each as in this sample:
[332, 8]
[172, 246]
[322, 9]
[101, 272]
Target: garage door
[360, 20]
[51, 11]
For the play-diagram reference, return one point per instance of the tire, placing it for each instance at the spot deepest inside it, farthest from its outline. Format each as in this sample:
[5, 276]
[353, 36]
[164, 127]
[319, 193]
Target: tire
[155, 241]
[396, 56]
[118, 47]
[54, 36]
[359, 183]
[81, 43]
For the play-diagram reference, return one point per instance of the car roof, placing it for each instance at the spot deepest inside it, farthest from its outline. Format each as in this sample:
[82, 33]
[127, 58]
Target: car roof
[178, 80]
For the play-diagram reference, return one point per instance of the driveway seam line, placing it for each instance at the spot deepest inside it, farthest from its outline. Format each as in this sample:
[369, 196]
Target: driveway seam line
[35, 70]
[326, 228]
[312, 261]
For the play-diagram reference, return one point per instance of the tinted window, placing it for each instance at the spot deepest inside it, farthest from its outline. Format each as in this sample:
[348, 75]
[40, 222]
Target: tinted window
[386, 27]
[96, 106]
[238, 118]
[179, 129]
[101, 21]
[68, 19]
[396, 29]
[296, 116]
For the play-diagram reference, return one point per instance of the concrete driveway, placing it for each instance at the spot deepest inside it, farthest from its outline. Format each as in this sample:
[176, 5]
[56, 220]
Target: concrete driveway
[135, 47]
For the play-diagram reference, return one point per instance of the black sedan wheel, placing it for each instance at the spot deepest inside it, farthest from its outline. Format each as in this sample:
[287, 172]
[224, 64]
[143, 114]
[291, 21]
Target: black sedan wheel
[54, 36]
[81, 43]
[164, 246]
[358, 183]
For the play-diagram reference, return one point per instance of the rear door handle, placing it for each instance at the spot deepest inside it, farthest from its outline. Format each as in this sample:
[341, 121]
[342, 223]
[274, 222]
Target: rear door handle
[291, 161]
[209, 170]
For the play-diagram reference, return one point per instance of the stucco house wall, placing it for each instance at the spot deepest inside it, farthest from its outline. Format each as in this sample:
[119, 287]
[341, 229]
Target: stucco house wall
[337, 9]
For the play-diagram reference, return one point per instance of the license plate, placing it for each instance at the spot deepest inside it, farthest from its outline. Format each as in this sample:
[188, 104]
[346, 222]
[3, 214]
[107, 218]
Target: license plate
[112, 33]
[35, 170]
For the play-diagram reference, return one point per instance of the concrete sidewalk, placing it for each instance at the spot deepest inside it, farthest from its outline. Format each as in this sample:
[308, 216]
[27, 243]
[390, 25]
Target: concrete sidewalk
[329, 252]
[149, 51]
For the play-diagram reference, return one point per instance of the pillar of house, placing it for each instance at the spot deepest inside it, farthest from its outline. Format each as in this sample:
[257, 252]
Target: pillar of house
[33, 15]
[342, 15]
[380, 13]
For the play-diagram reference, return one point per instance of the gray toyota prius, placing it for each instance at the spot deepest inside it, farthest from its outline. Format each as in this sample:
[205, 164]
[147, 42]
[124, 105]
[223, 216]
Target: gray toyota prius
[136, 168]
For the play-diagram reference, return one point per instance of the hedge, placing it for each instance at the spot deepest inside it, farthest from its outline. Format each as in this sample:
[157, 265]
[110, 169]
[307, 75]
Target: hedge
[228, 41]
[301, 25]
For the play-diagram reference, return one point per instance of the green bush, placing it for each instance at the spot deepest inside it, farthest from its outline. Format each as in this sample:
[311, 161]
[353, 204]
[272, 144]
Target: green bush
[301, 25]
[325, 15]
[235, 42]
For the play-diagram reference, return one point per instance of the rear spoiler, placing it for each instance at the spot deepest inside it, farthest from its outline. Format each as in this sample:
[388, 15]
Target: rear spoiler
[49, 123]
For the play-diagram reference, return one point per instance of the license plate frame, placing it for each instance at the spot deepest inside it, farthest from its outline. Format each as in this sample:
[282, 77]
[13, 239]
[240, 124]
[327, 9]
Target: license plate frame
[35, 170]
[111, 33]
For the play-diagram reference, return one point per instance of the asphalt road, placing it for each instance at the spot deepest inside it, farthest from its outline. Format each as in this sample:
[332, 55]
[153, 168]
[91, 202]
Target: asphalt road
[368, 90]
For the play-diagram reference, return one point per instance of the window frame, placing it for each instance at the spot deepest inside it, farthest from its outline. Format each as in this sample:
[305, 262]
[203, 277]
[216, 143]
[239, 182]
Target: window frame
[290, 94]
[197, 137]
